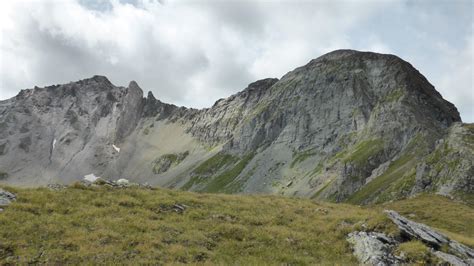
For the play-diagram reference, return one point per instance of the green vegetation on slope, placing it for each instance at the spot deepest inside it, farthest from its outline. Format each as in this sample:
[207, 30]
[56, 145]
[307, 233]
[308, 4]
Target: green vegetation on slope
[416, 252]
[469, 138]
[213, 164]
[394, 95]
[396, 170]
[203, 173]
[226, 182]
[361, 152]
[398, 180]
[301, 157]
[219, 173]
[166, 161]
[328, 183]
[137, 226]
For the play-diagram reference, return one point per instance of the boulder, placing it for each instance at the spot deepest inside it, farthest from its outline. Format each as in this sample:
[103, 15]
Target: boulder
[433, 239]
[451, 259]
[6, 197]
[374, 248]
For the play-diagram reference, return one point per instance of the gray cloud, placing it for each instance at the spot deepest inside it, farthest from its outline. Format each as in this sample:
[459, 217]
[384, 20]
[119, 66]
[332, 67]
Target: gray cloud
[194, 52]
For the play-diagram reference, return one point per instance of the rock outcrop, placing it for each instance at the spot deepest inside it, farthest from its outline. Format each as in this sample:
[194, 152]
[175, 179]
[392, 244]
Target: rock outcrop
[372, 248]
[6, 198]
[348, 126]
[449, 167]
[459, 253]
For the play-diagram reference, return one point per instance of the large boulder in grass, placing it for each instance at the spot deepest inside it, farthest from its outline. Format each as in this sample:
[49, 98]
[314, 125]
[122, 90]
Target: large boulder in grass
[433, 239]
[374, 248]
[6, 197]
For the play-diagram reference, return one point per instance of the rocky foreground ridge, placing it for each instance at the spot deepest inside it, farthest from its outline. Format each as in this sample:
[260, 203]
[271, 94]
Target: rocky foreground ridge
[348, 126]
[374, 248]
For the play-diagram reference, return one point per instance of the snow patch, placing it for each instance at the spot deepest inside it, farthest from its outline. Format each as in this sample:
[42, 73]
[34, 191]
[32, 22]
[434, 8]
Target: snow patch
[91, 177]
[54, 143]
[116, 148]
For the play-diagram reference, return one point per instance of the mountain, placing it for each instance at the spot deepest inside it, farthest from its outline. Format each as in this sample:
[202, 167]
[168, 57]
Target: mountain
[348, 126]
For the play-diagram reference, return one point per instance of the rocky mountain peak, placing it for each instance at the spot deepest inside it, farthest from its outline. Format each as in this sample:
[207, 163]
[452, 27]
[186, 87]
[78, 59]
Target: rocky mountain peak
[339, 54]
[261, 84]
[100, 79]
[92, 82]
[150, 96]
[133, 85]
[347, 126]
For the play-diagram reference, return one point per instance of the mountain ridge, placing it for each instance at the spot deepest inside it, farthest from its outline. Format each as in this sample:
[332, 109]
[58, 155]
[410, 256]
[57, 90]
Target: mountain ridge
[327, 130]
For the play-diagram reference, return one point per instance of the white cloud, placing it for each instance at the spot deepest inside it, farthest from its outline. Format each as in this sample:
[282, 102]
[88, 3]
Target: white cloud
[192, 52]
[186, 52]
[457, 84]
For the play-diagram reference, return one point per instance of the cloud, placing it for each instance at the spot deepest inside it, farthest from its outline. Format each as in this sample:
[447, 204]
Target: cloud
[193, 52]
[457, 86]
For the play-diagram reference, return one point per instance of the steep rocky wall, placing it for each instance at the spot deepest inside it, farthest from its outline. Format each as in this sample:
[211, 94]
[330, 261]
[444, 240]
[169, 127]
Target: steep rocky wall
[65, 131]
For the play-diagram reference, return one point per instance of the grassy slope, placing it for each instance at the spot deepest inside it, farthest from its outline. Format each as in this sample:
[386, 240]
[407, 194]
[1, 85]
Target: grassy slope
[138, 226]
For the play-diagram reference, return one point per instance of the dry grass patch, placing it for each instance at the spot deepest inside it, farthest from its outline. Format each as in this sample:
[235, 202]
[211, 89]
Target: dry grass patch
[141, 226]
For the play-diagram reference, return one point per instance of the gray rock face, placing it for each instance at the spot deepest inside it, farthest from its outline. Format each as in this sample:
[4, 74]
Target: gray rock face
[417, 230]
[451, 259]
[65, 131]
[334, 128]
[449, 167]
[372, 248]
[433, 238]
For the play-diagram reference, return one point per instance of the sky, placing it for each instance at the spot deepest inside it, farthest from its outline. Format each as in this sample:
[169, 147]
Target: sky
[192, 53]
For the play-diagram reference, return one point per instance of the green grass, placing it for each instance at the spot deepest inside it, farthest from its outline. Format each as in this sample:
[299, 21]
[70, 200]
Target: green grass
[318, 169]
[403, 186]
[166, 161]
[213, 164]
[226, 182]
[468, 198]
[81, 225]
[395, 171]
[210, 179]
[394, 95]
[209, 168]
[397, 179]
[139, 226]
[416, 253]
[469, 137]
[361, 152]
[316, 195]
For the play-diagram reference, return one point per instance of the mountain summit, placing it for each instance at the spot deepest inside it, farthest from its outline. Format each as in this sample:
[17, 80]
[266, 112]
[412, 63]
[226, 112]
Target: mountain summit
[348, 126]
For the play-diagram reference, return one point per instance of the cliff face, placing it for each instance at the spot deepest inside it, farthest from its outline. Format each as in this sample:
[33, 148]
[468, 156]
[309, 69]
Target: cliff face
[347, 126]
[62, 131]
